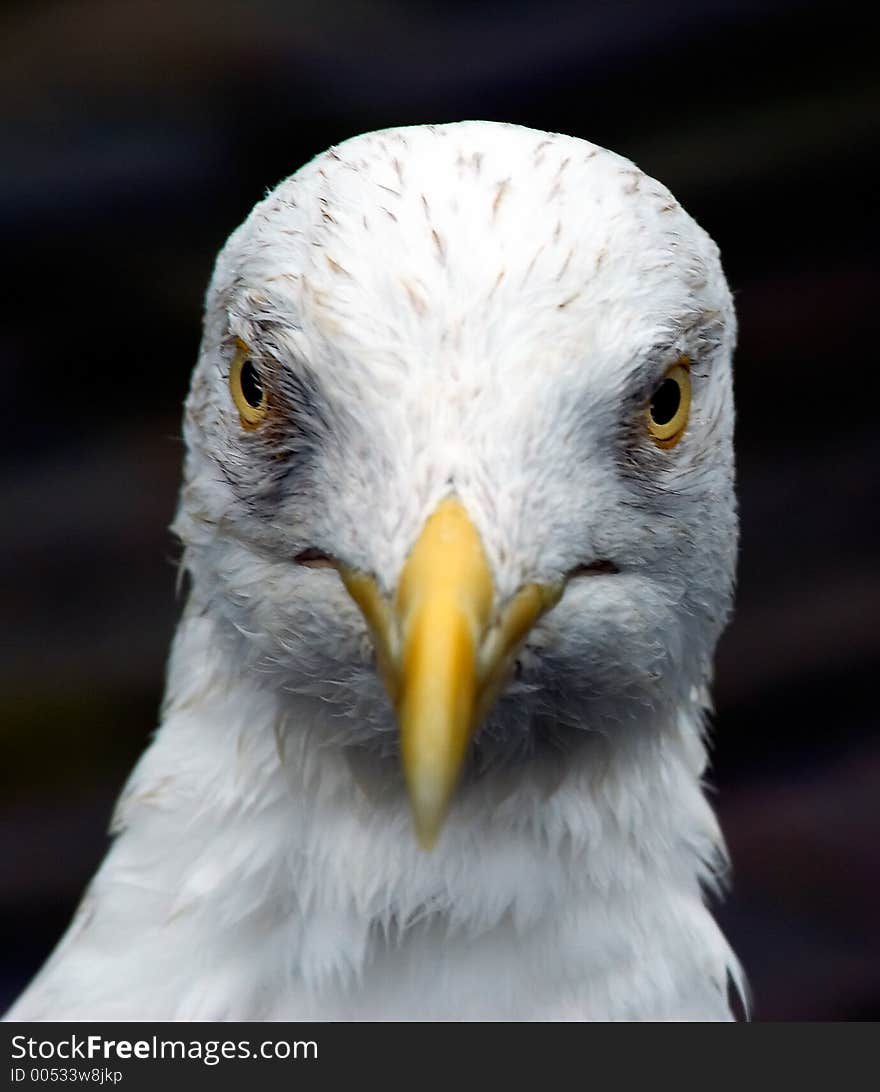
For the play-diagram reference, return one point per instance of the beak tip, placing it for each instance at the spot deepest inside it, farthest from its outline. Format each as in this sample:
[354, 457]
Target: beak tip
[426, 839]
[429, 810]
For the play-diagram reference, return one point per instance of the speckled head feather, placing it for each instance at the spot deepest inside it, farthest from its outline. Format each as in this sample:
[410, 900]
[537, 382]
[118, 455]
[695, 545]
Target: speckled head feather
[477, 310]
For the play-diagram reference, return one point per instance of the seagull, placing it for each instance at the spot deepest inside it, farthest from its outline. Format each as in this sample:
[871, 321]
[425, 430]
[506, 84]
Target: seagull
[459, 531]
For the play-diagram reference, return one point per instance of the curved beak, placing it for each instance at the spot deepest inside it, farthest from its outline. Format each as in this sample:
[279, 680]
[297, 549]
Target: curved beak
[444, 652]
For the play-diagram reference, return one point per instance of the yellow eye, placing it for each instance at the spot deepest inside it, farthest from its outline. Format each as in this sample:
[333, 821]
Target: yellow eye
[247, 388]
[670, 405]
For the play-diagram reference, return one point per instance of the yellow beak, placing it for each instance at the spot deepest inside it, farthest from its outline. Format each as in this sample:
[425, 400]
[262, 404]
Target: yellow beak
[444, 653]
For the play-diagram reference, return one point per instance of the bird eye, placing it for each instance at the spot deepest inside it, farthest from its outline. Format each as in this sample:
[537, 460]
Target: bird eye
[246, 386]
[670, 405]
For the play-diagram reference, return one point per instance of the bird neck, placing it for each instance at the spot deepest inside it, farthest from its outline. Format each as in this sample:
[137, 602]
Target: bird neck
[257, 820]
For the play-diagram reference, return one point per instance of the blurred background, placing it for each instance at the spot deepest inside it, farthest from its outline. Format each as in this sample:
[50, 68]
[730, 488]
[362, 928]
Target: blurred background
[137, 134]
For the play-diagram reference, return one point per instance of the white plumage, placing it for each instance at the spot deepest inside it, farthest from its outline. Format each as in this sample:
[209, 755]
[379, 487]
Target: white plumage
[477, 311]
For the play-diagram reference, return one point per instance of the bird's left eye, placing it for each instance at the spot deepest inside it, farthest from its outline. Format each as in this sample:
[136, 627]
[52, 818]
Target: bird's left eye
[247, 388]
[670, 405]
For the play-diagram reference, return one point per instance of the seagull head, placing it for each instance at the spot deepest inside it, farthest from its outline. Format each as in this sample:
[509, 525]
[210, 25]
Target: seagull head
[459, 450]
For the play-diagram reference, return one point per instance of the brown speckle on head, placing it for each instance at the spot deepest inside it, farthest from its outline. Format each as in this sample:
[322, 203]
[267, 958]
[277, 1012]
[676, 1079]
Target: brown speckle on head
[470, 162]
[634, 182]
[500, 193]
[417, 302]
[286, 277]
[336, 267]
[565, 264]
[566, 302]
[501, 275]
[440, 246]
[531, 264]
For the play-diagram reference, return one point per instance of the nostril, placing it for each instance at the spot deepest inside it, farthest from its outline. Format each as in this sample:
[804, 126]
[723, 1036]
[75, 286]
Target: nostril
[594, 568]
[314, 559]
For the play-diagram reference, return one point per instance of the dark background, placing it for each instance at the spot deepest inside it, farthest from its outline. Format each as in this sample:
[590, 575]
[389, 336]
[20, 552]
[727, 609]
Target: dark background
[137, 134]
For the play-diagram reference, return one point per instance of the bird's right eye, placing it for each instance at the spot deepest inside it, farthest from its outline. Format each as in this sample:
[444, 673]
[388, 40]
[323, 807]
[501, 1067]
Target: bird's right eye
[247, 388]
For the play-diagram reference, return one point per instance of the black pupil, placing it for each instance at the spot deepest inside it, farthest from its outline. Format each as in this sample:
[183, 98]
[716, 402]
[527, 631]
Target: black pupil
[251, 387]
[665, 403]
